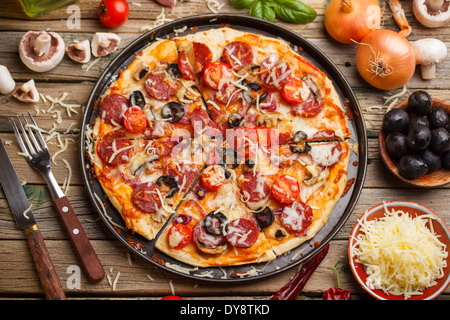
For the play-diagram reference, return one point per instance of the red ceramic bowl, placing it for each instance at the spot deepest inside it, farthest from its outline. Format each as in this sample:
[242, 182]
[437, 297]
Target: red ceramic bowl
[413, 209]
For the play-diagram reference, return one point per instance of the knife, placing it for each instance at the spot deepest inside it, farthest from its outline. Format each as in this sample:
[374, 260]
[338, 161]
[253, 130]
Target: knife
[20, 208]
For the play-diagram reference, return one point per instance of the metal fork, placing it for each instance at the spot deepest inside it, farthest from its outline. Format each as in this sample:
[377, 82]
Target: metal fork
[33, 145]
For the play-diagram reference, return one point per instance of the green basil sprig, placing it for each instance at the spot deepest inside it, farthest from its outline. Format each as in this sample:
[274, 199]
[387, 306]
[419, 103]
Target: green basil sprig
[293, 11]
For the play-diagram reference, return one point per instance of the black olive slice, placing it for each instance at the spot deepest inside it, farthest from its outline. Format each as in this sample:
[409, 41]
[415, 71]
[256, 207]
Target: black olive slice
[300, 148]
[215, 223]
[263, 97]
[137, 99]
[247, 95]
[249, 163]
[264, 217]
[299, 136]
[280, 234]
[173, 111]
[143, 73]
[234, 120]
[173, 69]
[200, 191]
[169, 180]
[230, 157]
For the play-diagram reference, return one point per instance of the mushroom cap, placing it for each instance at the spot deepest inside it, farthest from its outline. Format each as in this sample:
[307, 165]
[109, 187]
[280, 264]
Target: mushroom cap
[433, 19]
[429, 51]
[79, 52]
[49, 59]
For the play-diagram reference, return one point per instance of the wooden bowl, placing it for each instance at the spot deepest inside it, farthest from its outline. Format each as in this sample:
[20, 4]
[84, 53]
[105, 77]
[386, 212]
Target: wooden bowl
[431, 180]
[414, 210]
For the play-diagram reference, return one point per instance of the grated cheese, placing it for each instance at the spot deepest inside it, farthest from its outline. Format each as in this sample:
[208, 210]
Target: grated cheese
[401, 255]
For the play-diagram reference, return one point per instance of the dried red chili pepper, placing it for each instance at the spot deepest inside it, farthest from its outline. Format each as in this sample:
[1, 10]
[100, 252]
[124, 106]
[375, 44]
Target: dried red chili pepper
[337, 293]
[291, 289]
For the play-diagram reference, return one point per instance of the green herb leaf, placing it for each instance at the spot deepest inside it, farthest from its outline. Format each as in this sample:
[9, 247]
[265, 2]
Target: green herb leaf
[241, 4]
[263, 10]
[293, 11]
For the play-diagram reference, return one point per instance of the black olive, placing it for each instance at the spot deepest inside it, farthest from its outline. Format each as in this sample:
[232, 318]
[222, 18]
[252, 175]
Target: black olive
[395, 120]
[253, 86]
[247, 94]
[230, 157]
[446, 160]
[173, 69]
[264, 217]
[263, 97]
[396, 145]
[432, 160]
[173, 111]
[419, 102]
[249, 163]
[215, 223]
[418, 120]
[143, 73]
[254, 67]
[412, 166]
[200, 191]
[300, 136]
[419, 138]
[280, 234]
[137, 99]
[440, 140]
[234, 120]
[300, 148]
[438, 118]
[169, 180]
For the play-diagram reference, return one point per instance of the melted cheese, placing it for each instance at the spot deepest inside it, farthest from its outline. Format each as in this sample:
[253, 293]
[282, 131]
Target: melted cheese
[401, 255]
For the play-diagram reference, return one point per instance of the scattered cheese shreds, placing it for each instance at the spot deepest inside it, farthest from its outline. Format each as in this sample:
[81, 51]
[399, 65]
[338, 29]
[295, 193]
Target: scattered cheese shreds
[401, 255]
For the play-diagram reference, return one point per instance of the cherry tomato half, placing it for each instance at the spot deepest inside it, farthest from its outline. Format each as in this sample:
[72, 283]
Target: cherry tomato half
[296, 91]
[179, 236]
[286, 189]
[113, 13]
[134, 119]
[213, 177]
[217, 75]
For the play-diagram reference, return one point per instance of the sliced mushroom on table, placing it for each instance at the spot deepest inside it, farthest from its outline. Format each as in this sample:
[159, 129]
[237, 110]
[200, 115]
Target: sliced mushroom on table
[80, 51]
[27, 92]
[432, 13]
[104, 43]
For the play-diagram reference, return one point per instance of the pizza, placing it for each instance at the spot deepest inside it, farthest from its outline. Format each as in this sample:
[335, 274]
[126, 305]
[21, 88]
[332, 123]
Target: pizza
[223, 147]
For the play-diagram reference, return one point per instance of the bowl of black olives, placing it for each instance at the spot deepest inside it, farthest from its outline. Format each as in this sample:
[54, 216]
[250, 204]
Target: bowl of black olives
[414, 140]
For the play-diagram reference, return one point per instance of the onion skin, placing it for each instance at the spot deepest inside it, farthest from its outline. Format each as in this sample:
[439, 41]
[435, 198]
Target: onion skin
[348, 21]
[391, 53]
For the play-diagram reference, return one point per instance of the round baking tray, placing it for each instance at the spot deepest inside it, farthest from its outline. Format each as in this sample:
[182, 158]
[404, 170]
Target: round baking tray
[356, 169]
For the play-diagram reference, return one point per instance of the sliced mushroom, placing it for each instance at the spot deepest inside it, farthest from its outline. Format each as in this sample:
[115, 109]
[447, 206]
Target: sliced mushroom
[41, 51]
[315, 175]
[429, 52]
[7, 83]
[27, 92]
[104, 43]
[80, 51]
[432, 13]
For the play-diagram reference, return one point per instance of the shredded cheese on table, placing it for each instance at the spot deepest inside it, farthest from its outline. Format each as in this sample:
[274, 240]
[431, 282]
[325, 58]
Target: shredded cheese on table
[401, 255]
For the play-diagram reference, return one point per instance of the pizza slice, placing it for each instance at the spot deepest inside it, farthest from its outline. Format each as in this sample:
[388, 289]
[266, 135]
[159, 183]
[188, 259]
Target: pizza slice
[145, 180]
[213, 227]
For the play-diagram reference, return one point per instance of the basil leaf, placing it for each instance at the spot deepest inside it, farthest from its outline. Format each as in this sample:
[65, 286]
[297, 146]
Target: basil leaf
[241, 4]
[293, 11]
[262, 9]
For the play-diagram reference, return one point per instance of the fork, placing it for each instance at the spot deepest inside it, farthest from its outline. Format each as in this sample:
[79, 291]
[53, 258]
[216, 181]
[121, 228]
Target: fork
[33, 145]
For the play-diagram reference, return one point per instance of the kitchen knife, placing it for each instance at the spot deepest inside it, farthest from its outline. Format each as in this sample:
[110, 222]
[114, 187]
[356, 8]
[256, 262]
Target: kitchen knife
[20, 208]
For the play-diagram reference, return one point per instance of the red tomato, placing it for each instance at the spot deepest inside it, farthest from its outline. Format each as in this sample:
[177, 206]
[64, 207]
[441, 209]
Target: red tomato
[179, 236]
[286, 189]
[213, 177]
[134, 119]
[296, 91]
[113, 13]
[171, 298]
[217, 75]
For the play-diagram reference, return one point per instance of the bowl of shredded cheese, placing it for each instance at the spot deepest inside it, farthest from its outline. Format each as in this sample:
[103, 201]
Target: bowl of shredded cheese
[398, 250]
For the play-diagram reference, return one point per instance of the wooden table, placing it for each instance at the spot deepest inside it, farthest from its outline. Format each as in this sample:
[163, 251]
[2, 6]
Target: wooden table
[127, 275]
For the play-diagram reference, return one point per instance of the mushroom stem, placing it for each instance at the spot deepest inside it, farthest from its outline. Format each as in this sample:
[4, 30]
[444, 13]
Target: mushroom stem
[42, 44]
[428, 71]
[435, 5]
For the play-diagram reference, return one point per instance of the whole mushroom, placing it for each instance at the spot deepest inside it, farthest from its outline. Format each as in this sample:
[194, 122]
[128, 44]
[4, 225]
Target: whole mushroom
[429, 52]
[41, 51]
[432, 13]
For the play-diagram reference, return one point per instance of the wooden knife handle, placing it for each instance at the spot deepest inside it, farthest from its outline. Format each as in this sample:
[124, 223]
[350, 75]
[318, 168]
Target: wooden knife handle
[89, 259]
[47, 274]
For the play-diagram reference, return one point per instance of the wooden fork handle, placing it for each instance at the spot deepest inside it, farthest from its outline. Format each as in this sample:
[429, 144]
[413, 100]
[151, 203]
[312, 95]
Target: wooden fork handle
[89, 259]
[47, 275]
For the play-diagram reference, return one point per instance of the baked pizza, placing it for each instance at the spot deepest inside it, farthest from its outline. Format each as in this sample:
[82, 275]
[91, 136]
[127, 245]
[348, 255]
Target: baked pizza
[223, 147]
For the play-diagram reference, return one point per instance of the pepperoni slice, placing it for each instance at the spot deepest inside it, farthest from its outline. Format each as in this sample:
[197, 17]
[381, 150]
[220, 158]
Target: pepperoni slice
[159, 87]
[326, 154]
[237, 54]
[255, 187]
[242, 233]
[113, 107]
[115, 152]
[145, 197]
[203, 56]
[297, 217]
[309, 108]
[184, 66]
[275, 73]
